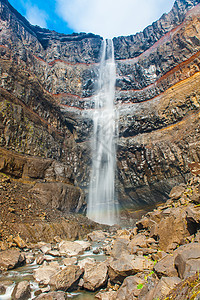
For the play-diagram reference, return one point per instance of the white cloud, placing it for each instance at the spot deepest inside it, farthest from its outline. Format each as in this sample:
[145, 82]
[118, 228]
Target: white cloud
[36, 16]
[111, 18]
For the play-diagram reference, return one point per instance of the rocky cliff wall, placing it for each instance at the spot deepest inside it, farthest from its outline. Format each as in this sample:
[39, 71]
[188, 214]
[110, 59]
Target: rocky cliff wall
[47, 84]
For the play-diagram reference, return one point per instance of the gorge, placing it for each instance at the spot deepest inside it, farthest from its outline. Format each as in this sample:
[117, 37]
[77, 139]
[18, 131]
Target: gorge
[93, 133]
[48, 81]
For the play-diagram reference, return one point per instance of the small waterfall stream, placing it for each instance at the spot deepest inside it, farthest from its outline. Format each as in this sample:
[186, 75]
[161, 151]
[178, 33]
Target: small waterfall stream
[103, 204]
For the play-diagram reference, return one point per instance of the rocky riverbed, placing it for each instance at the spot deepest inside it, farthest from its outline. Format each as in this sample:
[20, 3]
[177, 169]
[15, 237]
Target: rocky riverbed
[157, 259]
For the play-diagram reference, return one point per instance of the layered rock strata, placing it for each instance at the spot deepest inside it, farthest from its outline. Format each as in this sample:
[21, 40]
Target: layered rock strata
[47, 86]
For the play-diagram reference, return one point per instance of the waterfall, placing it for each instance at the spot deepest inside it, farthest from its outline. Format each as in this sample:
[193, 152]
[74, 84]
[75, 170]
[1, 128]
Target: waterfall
[103, 204]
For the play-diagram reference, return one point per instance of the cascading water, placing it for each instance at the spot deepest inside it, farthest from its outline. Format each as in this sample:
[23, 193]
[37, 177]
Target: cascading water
[103, 204]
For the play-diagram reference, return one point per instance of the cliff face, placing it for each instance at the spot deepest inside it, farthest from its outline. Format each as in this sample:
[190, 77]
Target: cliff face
[47, 83]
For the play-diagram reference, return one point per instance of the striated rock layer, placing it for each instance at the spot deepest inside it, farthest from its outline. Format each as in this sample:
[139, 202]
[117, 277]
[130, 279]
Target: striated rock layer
[47, 86]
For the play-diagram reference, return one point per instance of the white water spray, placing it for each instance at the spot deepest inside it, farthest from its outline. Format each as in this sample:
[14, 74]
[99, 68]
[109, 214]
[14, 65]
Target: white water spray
[103, 205]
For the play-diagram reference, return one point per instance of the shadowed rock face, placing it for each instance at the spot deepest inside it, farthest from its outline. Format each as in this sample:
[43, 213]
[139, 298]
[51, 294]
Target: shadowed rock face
[47, 79]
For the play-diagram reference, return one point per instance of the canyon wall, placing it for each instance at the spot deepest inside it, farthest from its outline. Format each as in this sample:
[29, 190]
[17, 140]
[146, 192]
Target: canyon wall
[47, 87]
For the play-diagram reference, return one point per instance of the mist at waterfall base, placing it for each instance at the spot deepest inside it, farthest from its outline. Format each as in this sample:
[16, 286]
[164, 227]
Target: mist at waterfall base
[102, 202]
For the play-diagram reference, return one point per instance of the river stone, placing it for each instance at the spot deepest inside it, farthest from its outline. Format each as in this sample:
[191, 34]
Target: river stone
[68, 261]
[88, 260]
[64, 279]
[30, 258]
[22, 291]
[11, 259]
[52, 296]
[54, 253]
[95, 276]
[44, 273]
[40, 259]
[96, 236]
[70, 248]
[85, 245]
[46, 248]
[110, 295]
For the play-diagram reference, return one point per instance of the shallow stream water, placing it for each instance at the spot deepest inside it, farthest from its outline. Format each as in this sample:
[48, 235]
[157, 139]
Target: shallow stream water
[26, 273]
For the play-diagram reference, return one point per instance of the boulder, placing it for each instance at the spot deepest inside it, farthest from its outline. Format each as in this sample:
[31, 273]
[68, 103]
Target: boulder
[95, 276]
[177, 192]
[44, 273]
[66, 278]
[96, 236]
[85, 245]
[164, 286]
[70, 248]
[165, 267]
[196, 195]
[68, 261]
[30, 258]
[171, 229]
[187, 260]
[145, 223]
[130, 288]
[88, 260]
[138, 240]
[110, 295]
[127, 266]
[54, 253]
[45, 248]
[41, 258]
[22, 291]
[52, 296]
[193, 215]
[11, 259]
[120, 247]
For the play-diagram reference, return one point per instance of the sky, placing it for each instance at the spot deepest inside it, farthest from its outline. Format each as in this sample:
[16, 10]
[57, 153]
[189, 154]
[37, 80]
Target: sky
[107, 18]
